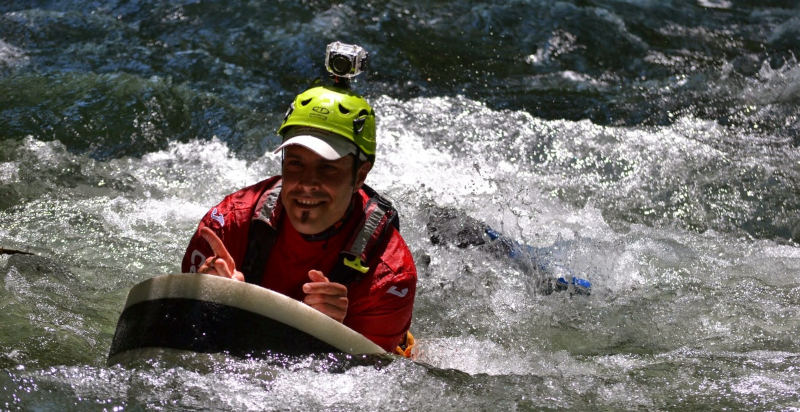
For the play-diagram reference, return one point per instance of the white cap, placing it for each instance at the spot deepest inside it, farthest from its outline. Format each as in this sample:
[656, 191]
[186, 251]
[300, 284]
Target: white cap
[329, 145]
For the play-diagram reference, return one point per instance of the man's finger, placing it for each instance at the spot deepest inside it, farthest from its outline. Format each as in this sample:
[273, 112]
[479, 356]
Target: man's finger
[208, 266]
[216, 245]
[325, 288]
[335, 307]
[212, 266]
[222, 267]
[320, 284]
[335, 301]
[317, 276]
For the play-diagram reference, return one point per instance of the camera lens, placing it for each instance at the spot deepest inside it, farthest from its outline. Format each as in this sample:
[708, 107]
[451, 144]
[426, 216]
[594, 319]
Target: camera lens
[340, 64]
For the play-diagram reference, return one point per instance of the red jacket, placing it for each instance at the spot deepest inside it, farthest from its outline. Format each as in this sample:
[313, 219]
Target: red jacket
[380, 304]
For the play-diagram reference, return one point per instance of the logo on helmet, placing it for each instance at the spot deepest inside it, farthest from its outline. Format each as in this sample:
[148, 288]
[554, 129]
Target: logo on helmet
[320, 112]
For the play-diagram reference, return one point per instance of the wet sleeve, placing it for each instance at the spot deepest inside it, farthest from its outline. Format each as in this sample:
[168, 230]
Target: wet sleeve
[383, 314]
[222, 220]
[196, 253]
[198, 249]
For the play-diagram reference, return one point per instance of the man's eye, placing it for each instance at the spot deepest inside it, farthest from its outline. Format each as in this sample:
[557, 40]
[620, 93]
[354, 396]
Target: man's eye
[328, 168]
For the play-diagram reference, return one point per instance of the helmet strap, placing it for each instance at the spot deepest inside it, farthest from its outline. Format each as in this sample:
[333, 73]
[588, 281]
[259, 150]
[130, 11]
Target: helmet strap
[360, 160]
[356, 166]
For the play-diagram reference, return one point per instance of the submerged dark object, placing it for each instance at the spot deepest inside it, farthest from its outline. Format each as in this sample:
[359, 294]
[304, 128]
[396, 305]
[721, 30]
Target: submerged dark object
[4, 251]
[449, 226]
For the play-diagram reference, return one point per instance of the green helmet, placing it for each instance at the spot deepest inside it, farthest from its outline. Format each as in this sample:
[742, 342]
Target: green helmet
[336, 110]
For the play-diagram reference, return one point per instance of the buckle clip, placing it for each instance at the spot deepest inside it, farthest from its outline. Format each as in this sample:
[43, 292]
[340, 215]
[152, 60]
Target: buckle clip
[355, 264]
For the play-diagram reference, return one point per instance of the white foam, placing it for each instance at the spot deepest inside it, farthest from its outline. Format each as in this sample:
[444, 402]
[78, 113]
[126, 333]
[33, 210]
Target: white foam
[127, 217]
[473, 355]
[9, 172]
[779, 85]
[715, 4]
[200, 171]
[11, 55]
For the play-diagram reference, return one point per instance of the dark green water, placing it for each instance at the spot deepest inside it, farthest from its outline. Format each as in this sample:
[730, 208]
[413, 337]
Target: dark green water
[651, 147]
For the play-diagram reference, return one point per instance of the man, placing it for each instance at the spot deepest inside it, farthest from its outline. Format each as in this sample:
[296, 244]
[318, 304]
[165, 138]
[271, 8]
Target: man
[317, 233]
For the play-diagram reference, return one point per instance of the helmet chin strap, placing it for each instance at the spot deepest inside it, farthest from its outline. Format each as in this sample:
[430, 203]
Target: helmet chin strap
[356, 166]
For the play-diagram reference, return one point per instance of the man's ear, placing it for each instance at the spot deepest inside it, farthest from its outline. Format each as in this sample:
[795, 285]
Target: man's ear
[361, 175]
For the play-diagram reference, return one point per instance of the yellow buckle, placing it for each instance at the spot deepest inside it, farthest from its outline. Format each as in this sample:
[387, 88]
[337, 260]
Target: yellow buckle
[356, 264]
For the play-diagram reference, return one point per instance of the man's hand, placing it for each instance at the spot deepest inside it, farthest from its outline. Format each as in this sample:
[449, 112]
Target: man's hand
[221, 264]
[325, 296]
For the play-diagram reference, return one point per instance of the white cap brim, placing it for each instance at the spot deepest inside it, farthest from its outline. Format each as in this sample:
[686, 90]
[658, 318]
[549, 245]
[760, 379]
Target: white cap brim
[328, 145]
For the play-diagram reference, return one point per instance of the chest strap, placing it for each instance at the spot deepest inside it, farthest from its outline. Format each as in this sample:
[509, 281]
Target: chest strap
[263, 233]
[379, 215]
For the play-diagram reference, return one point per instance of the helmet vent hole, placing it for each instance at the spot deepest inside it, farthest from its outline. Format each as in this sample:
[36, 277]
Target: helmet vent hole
[305, 102]
[343, 109]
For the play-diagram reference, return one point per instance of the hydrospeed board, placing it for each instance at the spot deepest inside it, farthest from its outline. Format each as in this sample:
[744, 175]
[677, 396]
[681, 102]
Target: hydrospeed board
[208, 314]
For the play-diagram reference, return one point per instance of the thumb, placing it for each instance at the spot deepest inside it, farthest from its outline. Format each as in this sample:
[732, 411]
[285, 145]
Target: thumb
[317, 276]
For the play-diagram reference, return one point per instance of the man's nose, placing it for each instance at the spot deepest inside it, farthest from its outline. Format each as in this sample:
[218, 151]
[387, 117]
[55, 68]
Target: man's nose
[309, 177]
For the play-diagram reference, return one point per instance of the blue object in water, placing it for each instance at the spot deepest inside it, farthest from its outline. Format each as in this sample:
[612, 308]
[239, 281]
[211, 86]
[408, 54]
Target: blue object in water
[516, 251]
[579, 286]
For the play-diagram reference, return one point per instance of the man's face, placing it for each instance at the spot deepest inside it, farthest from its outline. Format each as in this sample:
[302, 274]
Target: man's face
[316, 192]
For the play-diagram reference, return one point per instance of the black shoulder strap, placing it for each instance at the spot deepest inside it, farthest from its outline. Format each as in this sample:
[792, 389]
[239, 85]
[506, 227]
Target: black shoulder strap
[384, 203]
[379, 215]
[262, 234]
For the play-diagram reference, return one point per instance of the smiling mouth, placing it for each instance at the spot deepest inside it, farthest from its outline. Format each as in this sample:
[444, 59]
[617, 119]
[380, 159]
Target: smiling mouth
[308, 203]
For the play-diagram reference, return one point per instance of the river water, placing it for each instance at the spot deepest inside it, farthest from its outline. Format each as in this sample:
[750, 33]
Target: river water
[651, 147]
